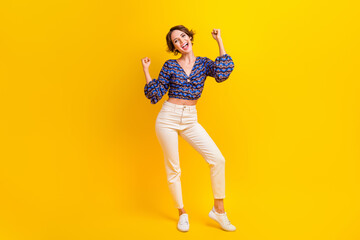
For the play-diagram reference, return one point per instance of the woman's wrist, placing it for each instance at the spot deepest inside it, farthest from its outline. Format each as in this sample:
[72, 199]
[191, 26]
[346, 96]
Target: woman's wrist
[221, 47]
[147, 75]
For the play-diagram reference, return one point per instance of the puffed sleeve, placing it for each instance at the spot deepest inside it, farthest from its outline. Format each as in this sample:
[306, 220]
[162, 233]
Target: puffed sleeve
[221, 68]
[157, 88]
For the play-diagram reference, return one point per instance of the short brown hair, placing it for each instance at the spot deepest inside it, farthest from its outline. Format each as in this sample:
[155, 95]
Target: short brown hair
[171, 47]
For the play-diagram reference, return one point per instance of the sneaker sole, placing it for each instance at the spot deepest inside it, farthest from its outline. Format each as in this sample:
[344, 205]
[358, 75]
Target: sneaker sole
[182, 230]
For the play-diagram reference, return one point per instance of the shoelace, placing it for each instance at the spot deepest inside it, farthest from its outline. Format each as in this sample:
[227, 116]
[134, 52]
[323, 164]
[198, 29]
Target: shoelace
[225, 219]
[183, 220]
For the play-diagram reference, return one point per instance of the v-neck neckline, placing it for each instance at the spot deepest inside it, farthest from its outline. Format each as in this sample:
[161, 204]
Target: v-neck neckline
[191, 68]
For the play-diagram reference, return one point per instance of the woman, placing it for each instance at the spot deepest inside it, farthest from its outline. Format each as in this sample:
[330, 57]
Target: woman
[185, 78]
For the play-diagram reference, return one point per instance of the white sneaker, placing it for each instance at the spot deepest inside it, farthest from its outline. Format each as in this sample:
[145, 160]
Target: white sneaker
[183, 223]
[222, 219]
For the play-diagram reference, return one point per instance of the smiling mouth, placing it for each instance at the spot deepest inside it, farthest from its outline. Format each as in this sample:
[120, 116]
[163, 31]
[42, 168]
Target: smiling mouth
[185, 46]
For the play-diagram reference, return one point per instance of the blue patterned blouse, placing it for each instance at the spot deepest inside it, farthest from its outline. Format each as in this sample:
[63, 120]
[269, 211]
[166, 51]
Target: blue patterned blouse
[172, 77]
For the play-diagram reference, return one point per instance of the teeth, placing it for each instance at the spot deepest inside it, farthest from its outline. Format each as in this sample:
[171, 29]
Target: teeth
[185, 45]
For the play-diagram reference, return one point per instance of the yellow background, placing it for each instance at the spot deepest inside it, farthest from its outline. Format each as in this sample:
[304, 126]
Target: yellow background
[79, 154]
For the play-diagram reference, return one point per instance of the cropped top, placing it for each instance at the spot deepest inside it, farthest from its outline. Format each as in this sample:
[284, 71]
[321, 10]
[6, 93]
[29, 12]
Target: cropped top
[172, 77]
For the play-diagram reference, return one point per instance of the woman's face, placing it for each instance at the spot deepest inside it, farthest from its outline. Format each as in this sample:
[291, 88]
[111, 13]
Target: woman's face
[181, 41]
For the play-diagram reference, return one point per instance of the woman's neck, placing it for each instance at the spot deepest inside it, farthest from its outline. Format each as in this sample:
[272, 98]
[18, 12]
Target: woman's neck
[188, 57]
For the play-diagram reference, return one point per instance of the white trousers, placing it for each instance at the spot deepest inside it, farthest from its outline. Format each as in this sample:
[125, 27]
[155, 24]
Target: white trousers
[173, 120]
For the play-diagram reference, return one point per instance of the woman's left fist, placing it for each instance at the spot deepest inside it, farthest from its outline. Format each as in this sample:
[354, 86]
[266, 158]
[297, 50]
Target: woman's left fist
[216, 34]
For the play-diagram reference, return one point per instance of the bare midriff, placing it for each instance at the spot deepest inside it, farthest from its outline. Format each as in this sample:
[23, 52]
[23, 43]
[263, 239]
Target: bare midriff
[182, 101]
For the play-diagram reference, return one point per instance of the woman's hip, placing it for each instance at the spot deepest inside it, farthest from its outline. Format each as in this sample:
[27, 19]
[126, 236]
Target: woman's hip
[174, 115]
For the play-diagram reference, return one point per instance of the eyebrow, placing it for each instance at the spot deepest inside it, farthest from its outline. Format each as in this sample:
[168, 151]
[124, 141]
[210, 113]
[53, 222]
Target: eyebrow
[177, 38]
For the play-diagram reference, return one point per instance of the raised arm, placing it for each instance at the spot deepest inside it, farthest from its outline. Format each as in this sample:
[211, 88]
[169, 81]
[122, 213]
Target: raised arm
[223, 65]
[146, 64]
[155, 89]
[217, 36]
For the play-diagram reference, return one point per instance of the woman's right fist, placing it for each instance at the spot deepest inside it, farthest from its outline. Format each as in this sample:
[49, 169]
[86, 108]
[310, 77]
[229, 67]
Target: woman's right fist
[145, 62]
